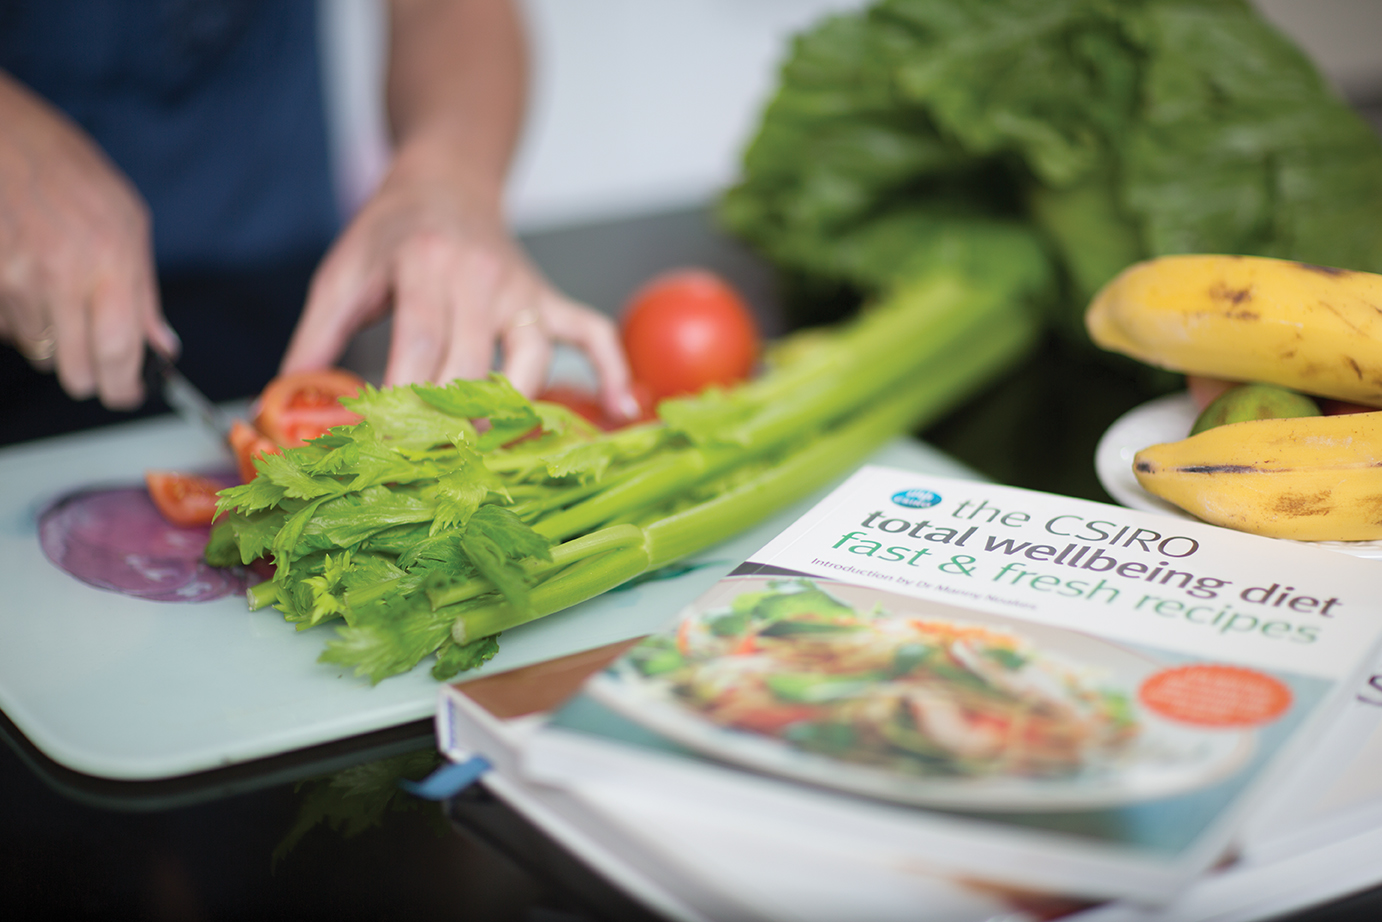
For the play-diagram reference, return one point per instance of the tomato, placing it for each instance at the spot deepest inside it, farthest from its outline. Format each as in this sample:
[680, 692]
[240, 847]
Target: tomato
[293, 410]
[580, 401]
[184, 499]
[686, 330]
[248, 443]
[647, 403]
[299, 407]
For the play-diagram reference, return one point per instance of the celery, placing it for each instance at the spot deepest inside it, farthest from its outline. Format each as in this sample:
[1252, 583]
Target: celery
[689, 530]
[423, 536]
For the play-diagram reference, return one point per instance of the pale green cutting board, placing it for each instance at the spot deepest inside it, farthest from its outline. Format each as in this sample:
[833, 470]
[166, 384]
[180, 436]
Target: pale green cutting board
[130, 689]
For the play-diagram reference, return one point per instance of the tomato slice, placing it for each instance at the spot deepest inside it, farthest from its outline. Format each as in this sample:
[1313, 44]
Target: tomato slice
[184, 499]
[249, 443]
[297, 408]
[686, 330]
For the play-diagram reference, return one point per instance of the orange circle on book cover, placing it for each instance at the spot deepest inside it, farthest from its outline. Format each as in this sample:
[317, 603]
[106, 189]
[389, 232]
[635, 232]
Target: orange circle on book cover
[1215, 696]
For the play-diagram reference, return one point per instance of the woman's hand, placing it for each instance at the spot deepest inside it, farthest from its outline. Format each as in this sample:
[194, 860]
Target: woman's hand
[431, 246]
[77, 289]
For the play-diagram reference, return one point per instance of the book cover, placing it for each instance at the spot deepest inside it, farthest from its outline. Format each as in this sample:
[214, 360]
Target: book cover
[987, 680]
[1316, 845]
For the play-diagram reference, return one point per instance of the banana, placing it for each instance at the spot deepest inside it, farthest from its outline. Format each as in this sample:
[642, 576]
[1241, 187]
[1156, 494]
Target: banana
[1246, 318]
[1310, 478]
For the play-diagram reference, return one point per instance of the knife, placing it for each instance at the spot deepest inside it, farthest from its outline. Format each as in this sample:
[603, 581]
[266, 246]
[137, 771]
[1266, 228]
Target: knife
[183, 396]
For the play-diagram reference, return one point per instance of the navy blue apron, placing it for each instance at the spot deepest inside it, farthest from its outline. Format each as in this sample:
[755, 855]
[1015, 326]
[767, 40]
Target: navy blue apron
[214, 110]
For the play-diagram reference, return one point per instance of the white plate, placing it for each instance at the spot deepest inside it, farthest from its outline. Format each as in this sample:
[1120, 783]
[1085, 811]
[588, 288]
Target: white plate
[1168, 419]
[1165, 760]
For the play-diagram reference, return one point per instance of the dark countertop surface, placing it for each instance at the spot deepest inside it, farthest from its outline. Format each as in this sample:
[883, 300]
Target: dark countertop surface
[326, 833]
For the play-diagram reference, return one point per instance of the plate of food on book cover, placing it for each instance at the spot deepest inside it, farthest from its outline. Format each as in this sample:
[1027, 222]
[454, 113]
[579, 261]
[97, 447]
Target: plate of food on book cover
[914, 701]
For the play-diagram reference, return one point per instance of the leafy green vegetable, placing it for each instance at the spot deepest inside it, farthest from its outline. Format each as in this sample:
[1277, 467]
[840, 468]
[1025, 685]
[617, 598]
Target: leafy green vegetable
[799, 624]
[417, 532]
[923, 132]
[730, 624]
[822, 736]
[775, 606]
[815, 688]
[657, 655]
[786, 598]
[1008, 659]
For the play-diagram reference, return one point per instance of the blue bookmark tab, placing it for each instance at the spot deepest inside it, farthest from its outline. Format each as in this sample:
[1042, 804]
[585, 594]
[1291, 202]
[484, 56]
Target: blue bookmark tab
[449, 780]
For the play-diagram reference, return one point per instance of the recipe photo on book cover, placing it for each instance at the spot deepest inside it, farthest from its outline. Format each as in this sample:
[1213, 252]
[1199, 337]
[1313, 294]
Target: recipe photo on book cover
[1011, 671]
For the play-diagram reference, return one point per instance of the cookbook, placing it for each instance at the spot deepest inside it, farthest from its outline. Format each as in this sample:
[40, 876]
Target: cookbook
[984, 681]
[1314, 841]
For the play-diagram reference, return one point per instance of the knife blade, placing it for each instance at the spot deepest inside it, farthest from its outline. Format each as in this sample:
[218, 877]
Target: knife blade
[184, 396]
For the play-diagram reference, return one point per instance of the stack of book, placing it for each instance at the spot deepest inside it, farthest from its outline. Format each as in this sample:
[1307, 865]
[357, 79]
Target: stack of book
[948, 699]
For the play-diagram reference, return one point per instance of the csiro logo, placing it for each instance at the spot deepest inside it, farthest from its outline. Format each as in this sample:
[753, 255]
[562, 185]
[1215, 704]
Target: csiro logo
[916, 498]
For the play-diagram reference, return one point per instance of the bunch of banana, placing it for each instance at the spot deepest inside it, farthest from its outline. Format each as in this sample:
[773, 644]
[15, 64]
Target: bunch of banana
[1248, 318]
[1308, 328]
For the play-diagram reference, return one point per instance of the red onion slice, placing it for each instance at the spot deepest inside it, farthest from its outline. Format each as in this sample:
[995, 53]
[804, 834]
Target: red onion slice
[116, 539]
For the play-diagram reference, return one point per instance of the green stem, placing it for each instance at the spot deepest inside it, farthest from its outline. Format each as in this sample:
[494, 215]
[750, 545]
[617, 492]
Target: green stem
[556, 498]
[563, 555]
[922, 324]
[262, 595]
[629, 441]
[655, 478]
[840, 449]
[824, 459]
[581, 581]
[361, 596]
[918, 325]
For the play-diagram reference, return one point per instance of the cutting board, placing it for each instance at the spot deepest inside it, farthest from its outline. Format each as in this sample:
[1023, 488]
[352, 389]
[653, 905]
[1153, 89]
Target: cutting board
[131, 689]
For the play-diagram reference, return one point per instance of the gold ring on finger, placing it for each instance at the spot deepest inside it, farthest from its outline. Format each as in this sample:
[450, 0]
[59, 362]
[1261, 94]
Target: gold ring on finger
[525, 318]
[42, 347]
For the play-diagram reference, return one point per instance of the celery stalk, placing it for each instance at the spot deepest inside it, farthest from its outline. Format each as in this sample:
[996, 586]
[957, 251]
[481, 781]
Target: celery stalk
[819, 462]
[922, 324]
[843, 448]
[448, 541]
[581, 581]
[563, 555]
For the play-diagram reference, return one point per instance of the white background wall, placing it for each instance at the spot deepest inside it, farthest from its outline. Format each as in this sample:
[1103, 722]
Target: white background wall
[641, 104]
[1343, 36]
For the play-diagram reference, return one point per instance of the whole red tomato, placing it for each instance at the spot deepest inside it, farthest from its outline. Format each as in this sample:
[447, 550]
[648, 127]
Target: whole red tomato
[686, 330]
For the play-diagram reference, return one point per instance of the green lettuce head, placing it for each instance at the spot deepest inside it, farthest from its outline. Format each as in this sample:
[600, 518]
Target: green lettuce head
[919, 131]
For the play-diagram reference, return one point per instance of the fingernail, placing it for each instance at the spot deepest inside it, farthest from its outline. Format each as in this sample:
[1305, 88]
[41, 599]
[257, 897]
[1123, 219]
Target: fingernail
[174, 341]
[629, 407]
[77, 388]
